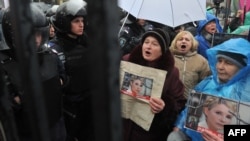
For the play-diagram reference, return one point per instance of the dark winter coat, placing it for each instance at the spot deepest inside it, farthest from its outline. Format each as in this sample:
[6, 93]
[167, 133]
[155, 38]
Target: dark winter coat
[172, 95]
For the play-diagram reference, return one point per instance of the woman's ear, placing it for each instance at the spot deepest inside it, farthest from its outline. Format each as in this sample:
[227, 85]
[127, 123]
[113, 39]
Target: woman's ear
[205, 110]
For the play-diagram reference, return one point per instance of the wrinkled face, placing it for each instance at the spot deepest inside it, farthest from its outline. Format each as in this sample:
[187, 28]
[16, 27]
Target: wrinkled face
[225, 69]
[77, 26]
[184, 44]
[211, 27]
[136, 86]
[218, 116]
[151, 49]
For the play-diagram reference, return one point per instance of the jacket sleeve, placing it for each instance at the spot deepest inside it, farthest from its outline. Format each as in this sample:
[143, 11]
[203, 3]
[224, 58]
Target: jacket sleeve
[174, 100]
[234, 24]
[177, 89]
[205, 70]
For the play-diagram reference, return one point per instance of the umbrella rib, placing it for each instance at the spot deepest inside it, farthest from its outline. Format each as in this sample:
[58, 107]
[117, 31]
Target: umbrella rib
[128, 12]
[172, 13]
[201, 9]
[123, 24]
[142, 1]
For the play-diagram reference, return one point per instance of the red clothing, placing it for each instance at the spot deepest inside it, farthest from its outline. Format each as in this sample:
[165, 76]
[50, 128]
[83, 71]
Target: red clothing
[172, 95]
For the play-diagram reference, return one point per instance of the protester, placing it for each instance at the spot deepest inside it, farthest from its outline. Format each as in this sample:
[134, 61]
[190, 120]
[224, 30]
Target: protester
[192, 66]
[49, 73]
[235, 22]
[174, 31]
[131, 33]
[205, 31]
[154, 52]
[210, 7]
[245, 27]
[237, 5]
[229, 63]
[217, 114]
[71, 44]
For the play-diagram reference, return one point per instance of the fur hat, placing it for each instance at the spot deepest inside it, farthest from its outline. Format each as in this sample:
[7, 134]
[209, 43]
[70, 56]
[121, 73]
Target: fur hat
[237, 59]
[162, 37]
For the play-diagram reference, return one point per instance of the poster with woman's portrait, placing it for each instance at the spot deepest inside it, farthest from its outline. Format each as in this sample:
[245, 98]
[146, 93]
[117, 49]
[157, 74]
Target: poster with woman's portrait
[137, 85]
[209, 112]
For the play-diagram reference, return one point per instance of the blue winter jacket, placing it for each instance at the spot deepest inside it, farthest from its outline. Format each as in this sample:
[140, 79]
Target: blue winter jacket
[237, 88]
[203, 43]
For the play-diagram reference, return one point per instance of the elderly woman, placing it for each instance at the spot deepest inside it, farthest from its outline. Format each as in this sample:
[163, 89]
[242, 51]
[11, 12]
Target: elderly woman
[205, 31]
[229, 63]
[154, 52]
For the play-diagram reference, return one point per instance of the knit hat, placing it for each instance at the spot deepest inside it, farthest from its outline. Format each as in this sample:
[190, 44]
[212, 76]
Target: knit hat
[237, 59]
[161, 36]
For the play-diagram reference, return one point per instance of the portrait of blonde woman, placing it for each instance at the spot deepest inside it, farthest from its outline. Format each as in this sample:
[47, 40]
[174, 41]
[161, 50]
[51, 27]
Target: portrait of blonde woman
[217, 113]
[135, 85]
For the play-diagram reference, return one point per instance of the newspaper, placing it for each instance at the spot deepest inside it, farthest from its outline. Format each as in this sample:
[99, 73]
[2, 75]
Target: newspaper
[209, 112]
[136, 106]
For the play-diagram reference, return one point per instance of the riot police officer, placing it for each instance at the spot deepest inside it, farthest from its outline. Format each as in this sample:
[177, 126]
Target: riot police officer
[131, 33]
[50, 78]
[71, 44]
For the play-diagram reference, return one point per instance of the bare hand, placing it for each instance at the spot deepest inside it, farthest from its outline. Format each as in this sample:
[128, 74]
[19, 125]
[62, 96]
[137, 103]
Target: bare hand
[176, 129]
[156, 104]
[239, 12]
[209, 136]
[17, 99]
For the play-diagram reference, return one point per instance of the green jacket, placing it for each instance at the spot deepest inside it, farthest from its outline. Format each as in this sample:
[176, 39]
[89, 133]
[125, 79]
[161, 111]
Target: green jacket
[245, 26]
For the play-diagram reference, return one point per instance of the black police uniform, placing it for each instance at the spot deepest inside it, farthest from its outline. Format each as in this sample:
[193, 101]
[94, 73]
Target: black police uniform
[130, 35]
[52, 92]
[74, 53]
[77, 99]
[49, 76]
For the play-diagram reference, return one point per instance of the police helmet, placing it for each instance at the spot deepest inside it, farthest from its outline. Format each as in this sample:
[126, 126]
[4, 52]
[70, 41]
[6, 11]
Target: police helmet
[66, 12]
[52, 11]
[39, 22]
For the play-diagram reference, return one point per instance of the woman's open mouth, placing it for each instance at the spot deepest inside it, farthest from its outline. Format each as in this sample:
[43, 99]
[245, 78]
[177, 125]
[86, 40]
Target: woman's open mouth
[147, 52]
[183, 46]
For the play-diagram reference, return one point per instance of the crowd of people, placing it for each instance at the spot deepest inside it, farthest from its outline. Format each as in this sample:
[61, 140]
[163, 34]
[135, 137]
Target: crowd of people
[187, 53]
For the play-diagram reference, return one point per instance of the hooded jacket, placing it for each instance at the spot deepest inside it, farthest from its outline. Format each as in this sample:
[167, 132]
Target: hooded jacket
[236, 88]
[205, 42]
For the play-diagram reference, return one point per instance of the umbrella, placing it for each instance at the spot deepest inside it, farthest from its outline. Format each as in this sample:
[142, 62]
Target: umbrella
[168, 12]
